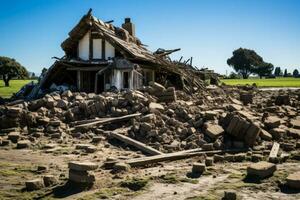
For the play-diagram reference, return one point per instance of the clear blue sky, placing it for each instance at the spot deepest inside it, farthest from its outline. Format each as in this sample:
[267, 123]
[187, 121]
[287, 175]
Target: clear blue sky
[31, 31]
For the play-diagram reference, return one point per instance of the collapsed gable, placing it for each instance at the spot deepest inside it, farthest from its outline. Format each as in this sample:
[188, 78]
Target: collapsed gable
[129, 46]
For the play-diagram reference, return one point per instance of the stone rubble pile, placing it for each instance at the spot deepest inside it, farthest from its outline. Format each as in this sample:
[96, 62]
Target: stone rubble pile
[217, 118]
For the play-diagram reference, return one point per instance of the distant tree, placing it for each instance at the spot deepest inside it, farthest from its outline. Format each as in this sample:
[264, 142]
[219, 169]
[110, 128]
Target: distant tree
[10, 68]
[285, 73]
[277, 71]
[247, 61]
[264, 69]
[233, 75]
[33, 75]
[296, 73]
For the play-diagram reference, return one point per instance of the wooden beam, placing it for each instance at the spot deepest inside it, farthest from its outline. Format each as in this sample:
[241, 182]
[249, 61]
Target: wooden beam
[176, 156]
[95, 68]
[106, 121]
[135, 143]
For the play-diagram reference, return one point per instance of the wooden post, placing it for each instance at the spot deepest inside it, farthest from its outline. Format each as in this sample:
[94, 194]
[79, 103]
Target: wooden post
[96, 81]
[78, 80]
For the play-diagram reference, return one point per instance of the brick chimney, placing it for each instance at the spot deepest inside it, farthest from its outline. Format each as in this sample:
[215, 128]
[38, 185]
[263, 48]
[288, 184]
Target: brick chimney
[130, 27]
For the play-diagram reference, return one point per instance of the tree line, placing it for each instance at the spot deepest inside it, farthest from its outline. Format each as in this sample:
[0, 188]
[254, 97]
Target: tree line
[246, 62]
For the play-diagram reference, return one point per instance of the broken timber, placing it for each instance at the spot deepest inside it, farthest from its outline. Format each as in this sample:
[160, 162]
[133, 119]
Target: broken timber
[135, 143]
[136, 162]
[106, 121]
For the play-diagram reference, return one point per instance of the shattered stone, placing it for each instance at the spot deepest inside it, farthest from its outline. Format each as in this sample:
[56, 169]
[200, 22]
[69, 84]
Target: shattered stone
[261, 169]
[218, 158]
[295, 133]
[63, 104]
[82, 166]
[81, 177]
[154, 107]
[295, 123]
[288, 146]
[121, 167]
[209, 161]
[35, 184]
[246, 98]
[50, 180]
[145, 126]
[198, 168]
[265, 135]
[278, 133]
[251, 134]
[208, 147]
[272, 122]
[214, 131]
[282, 100]
[293, 180]
[210, 115]
[13, 136]
[230, 195]
[257, 157]
[23, 144]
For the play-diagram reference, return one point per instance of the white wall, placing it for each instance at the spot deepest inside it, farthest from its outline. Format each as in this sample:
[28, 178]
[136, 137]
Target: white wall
[97, 48]
[84, 47]
[117, 79]
[109, 50]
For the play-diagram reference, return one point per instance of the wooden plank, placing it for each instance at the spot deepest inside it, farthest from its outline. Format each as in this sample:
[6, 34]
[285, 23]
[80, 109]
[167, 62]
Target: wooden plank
[175, 156]
[135, 143]
[106, 121]
[274, 150]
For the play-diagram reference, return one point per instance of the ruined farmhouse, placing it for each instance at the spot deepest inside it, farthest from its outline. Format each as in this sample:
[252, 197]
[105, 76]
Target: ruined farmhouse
[100, 56]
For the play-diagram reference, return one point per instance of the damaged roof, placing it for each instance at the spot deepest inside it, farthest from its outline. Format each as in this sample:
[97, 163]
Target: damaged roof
[130, 46]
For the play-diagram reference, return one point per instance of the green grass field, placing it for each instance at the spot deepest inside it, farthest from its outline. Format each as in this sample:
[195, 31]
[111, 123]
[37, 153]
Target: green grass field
[15, 85]
[275, 82]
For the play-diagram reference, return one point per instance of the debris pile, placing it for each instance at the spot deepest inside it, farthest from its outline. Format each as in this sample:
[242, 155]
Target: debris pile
[216, 125]
[162, 118]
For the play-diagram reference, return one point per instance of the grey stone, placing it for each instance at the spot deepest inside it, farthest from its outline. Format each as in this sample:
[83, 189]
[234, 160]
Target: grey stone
[198, 168]
[13, 136]
[82, 166]
[23, 144]
[278, 133]
[293, 180]
[50, 180]
[81, 177]
[35, 184]
[121, 167]
[209, 161]
[261, 169]
[214, 131]
[265, 135]
[230, 195]
[272, 122]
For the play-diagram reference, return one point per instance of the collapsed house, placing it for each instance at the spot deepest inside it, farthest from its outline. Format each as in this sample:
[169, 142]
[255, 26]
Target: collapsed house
[100, 57]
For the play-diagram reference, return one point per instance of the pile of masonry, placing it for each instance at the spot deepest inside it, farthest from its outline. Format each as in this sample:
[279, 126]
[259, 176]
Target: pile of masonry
[170, 120]
[165, 120]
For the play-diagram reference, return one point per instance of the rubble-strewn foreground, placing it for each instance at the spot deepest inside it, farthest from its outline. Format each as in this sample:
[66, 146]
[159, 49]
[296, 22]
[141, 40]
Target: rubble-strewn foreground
[155, 143]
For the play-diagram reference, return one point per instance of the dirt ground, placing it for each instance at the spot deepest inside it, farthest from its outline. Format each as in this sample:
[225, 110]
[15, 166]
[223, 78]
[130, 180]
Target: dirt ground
[168, 180]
